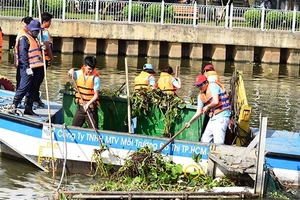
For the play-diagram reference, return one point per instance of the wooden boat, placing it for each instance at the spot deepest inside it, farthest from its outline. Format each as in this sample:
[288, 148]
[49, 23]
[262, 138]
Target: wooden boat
[58, 145]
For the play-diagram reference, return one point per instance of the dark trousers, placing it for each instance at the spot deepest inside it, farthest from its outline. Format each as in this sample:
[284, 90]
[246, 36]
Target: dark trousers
[81, 116]
[25, 85]
[40, 74]
[18, 77]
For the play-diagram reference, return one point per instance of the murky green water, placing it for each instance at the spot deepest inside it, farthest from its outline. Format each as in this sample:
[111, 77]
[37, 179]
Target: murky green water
[271, 89]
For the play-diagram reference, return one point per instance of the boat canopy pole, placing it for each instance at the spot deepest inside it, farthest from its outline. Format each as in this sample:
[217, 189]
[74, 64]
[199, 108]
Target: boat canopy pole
[128, 97]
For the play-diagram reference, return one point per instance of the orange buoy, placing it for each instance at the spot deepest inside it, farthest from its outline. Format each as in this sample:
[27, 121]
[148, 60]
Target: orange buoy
[6, 84]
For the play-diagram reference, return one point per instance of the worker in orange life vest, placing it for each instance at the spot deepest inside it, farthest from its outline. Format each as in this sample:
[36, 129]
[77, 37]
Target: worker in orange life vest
[87, 97]
[25, 21]
[28, 57]
[214, 101]
[167, 83]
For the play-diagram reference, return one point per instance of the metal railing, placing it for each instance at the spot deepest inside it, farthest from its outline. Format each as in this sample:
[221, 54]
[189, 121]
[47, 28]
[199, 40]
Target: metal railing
[157, 13]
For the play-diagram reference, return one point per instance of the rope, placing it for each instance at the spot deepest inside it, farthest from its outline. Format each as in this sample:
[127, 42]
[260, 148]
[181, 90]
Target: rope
[11, 109]
[2, 99]
[65, 159]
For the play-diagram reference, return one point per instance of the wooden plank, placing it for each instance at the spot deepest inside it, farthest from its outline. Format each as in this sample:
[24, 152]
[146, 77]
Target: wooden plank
[185, 12]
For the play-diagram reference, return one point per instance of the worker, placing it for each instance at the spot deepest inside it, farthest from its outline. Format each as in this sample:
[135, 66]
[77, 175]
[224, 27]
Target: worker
[167, 83]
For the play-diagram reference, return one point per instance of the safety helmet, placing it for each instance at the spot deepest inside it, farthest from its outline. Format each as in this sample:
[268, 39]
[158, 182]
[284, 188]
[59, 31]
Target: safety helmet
[200, 79]
[209, 68]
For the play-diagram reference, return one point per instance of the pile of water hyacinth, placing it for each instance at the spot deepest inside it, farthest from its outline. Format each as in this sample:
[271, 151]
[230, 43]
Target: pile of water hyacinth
[145, 170]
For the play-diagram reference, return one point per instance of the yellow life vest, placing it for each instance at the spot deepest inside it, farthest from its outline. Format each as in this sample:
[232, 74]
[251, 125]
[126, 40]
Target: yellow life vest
[34, 52]
[214, 74]
[165, 83]
[142, 81]
[223, 104]
[85, 85]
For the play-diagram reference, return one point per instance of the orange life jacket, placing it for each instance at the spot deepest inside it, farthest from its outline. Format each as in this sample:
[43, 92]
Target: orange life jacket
[142, 81]
[165, 83]
[34, 53]
[85, 87]
[21, 32]
[214, 74]
[47, 57]
[223, 104]
[1, 43]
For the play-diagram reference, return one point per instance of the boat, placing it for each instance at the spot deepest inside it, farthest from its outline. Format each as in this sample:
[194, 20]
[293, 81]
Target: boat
[49, 141]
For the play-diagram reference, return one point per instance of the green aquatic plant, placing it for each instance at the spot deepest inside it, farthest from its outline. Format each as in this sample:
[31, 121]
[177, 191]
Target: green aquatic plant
[145, 170]
[69, 87]
[144, 102]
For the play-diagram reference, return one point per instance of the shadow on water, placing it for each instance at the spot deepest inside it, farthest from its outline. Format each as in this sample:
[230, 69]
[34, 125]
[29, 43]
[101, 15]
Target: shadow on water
[24, 181]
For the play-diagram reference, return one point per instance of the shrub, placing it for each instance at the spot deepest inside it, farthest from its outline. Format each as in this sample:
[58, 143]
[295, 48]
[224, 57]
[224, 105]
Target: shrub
[54, 7]
[137, 11]
[170, 11]
[274, 18]
[289, 18]
[153, 12]
[253, 17]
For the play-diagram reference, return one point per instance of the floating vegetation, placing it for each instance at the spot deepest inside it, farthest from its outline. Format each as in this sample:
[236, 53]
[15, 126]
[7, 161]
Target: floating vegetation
[145, 170]
[144, 102]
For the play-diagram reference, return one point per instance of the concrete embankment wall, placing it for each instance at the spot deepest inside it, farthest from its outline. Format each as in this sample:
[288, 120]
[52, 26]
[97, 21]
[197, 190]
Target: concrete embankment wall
[174, 41]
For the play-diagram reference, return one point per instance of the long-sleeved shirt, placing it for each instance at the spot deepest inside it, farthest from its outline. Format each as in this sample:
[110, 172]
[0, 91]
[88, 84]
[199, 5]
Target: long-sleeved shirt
[23, 51]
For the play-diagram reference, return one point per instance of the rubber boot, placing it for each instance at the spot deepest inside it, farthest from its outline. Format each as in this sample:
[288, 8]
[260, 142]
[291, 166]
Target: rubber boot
[16, 101]
[28, 107]
[39, 103]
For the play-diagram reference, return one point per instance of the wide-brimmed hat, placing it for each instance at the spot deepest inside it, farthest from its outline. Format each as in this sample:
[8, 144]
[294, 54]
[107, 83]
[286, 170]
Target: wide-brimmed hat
[148, 66]
[34, 25]
[200, 79]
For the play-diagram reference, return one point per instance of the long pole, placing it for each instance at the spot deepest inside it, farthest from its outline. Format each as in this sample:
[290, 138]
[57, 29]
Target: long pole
[88, 113]
[128, 97]
[170, 140]
[47, 93]
[177, 71]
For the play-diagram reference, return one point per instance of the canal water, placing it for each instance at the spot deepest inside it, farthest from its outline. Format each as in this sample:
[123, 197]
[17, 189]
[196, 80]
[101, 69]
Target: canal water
[271, 89]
